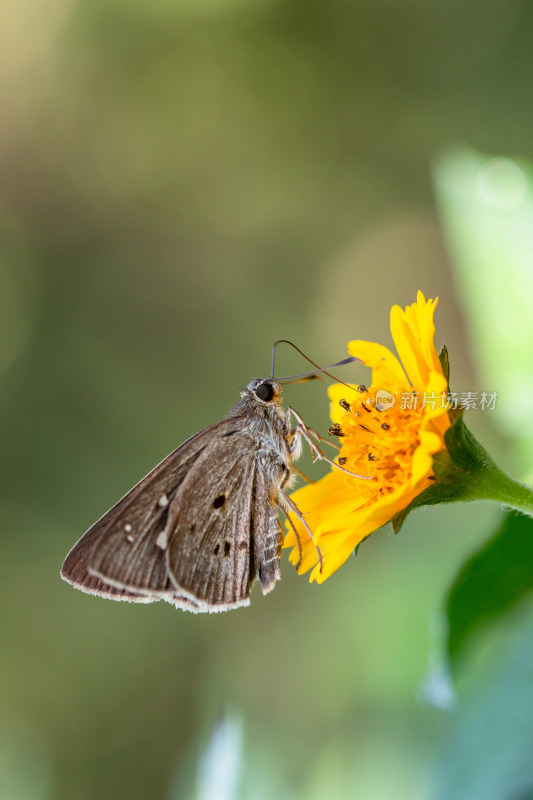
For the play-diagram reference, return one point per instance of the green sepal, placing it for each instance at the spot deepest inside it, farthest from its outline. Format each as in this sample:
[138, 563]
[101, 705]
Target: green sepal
[358, 545]
[466, 453]
[453, 413]
[445, 363]
[465, 472]
[432, 496]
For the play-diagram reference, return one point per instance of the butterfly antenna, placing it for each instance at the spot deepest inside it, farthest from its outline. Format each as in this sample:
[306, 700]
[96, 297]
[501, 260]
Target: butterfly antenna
[311, 375]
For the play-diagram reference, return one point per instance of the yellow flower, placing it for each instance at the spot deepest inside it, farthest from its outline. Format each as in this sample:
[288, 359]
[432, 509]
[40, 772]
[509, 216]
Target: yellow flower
[390, 432]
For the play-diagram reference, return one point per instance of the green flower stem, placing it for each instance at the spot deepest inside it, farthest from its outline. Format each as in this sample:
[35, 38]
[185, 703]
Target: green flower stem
[474, 470]
[495, 485]
[465, 472]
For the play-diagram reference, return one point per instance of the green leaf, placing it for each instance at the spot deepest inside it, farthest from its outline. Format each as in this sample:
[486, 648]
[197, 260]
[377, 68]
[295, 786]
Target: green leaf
[493, 580]
[487, 752]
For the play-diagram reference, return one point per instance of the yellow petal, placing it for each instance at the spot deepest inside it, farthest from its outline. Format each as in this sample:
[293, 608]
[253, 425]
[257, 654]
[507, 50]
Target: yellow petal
[336, 393]
[413, 332]
[331, 562]
[386, 369]
[422, 467]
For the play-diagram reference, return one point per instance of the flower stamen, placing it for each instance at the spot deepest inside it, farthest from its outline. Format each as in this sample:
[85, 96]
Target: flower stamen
[336, 430]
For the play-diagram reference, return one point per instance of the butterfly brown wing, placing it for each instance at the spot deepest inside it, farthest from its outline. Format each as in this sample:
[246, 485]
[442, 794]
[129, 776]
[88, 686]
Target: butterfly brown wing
[75, 571]
[267, 533]
[118, 557]
[223, 530]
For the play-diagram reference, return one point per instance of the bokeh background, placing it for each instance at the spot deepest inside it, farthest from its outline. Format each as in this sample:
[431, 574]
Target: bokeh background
[182, 183]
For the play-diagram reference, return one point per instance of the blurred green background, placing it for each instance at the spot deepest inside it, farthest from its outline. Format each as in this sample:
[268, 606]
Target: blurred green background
[182, 183]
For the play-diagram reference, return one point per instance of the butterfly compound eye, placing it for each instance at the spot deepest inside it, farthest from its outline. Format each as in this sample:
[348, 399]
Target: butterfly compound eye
[265, 392]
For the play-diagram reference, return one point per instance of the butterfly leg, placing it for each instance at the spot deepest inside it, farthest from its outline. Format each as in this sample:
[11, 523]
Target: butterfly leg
[291, 523]
[301, 474]
[287, 505]
[312, 432]
[302, 432]
[321, 438]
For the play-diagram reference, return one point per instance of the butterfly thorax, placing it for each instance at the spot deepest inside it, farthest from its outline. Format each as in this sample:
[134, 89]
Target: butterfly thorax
[260, 405]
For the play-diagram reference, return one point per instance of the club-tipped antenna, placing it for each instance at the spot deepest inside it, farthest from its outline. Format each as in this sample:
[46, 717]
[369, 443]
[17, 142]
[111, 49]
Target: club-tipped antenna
[324, 370]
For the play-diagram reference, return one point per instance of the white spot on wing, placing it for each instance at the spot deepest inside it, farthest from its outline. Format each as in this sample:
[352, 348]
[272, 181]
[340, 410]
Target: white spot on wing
[163, 501]
[161, 540]
[127, 527]
[130, 538]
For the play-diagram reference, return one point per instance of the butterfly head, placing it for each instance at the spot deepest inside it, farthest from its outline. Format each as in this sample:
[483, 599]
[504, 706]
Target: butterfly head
[265, 390]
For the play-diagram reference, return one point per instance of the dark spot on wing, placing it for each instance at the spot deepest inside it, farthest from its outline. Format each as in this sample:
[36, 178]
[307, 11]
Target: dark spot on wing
[227, 549]
[217, 548]
[219, 501]
[243, 545]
